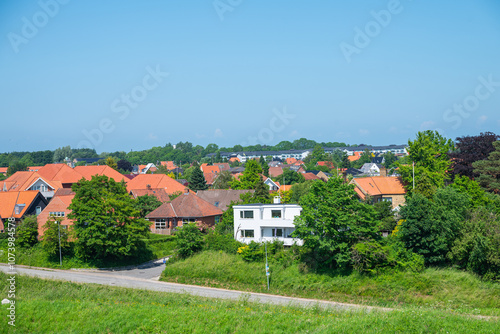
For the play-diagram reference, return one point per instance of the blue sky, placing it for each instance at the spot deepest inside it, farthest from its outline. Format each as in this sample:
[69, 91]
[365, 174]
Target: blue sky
[122, 75]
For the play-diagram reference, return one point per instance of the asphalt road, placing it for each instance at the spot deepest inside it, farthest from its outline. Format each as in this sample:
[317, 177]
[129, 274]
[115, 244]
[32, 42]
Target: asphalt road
[147, 279]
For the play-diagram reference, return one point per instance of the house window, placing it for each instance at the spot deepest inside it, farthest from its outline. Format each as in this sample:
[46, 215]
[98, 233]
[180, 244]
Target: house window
[217, 204]
[277, 232]
[38, 210]
[217, 219]
[57, 214]
[160, 224]
[18, 208]
[247, 233]
[387, 199]
[276, 213]
[246, 214]
[188, 220]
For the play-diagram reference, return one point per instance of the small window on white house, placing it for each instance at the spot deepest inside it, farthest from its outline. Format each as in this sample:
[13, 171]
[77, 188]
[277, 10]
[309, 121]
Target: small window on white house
[276, 213]
[247, 233]
[246, 214]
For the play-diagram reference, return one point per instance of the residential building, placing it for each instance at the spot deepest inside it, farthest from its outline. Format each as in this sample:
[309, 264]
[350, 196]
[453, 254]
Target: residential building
[186, 208]
[149, 181]
[18, 204]
[222, 198]
[159, 193]
[23, 181]
[57, 208]
[266, 222]
[381, 188]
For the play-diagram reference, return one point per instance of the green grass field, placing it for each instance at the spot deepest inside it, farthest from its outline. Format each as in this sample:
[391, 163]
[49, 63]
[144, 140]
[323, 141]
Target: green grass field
[441, 289]
[158, 246]
[45, 306]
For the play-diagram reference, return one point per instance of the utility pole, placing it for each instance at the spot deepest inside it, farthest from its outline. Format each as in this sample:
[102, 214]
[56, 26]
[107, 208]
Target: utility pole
[267, 268]
[60, 253]
[413, 174]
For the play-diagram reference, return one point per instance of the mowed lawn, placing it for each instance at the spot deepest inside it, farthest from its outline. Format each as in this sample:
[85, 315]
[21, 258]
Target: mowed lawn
[45, 306]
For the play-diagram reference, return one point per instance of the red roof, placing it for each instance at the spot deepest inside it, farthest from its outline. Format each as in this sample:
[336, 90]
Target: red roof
[9, 199]
[291, 161]
[379, 185]
[159, 193]
[169, 164]
[210, 177]
[205, 168]
[145, 181]
[187, 205]
[88, 171]
[328, 164]
[310, 176]
[20, 181]
[59, 172]
[275, 171]
[59, 203]
[234, 159]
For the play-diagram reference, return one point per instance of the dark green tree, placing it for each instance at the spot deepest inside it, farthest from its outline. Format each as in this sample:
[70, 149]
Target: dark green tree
[146, 204]
[50, 238]
[332, 221]
[124, 165]
[197, 180]
[16, 166]
[106, 221]
[489, 170]
[389, 160]
[189, 240]
[223, 181]
[430, 226]
[27, 232]
[250, 177]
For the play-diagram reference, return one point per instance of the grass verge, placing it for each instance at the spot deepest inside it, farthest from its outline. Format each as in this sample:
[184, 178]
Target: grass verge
[46, 306]
[441, 289]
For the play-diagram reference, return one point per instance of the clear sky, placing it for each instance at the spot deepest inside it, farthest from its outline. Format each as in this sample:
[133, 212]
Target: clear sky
[120, 75]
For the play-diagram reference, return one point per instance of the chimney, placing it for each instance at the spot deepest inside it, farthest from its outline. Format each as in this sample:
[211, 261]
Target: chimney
[383, 171]
[148, 186]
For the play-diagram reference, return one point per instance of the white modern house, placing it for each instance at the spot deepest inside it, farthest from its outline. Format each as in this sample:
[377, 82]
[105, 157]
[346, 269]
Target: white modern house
[266, 222]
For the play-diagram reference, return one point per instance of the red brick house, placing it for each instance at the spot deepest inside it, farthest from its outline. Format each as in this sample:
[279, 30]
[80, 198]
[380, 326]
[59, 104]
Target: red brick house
[186, 208]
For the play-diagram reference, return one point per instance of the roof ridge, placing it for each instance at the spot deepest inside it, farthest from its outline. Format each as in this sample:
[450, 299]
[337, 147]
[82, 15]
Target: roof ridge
[175, 213]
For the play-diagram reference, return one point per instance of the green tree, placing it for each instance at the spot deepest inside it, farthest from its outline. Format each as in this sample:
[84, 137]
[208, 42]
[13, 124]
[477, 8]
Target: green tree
[62, 153]
[489, 170]
[111, 162]
[106, 221]
[429, 151]
[250, 177]
[223, 181]
[290, 177]
[332, 221]
[189, 240]
[124, 166]
[27, 232]
[430, 226]
[197, 180]
[299, 190]
[389, 160]
[50, 238]
[146, 204]
[16, 166]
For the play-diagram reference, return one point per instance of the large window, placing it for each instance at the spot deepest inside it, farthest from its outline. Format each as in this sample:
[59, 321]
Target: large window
[57, 214]
[277, 232]
[160, 224]
[247, 233]
[246, 214]
[276, 213]
[188, 220]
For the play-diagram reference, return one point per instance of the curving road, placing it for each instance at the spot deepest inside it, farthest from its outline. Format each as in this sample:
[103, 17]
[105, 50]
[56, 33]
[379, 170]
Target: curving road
[147, 278]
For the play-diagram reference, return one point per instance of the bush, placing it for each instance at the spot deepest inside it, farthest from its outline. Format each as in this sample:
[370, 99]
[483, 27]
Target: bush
[50, 239]
[27, 232]
[189, 240]
[225, 243]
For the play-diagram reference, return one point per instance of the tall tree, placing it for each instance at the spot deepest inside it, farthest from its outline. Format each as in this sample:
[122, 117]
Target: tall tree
[55, 235]
[124, 165]
[111, 162]
[146, 204]
[249, 178]
[106, 222]
[470, 149]
[429, 151]
[16, 166]
[332, 221]
[489, 170]
[27, 232]
[197, 180]
[62, 153]
[223, 180]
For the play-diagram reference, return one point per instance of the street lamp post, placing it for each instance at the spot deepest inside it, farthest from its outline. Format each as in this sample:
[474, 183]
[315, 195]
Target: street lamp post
[60, 253]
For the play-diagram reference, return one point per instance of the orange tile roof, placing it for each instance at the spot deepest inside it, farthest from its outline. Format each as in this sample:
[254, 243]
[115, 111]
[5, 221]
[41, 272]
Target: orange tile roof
[291, 161]
[380, 185]
[34, 168]
[210, 177]
[275, 171]
[169, 164]
[205, 168]
[59, 172]
[310, 176]
[9, 199]
[328, 164]
[353, 157]
[88, 171]
[298, 163]
[3, 170]
[234, 159]
[286, 187]
[142, 181]
[20, 181]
